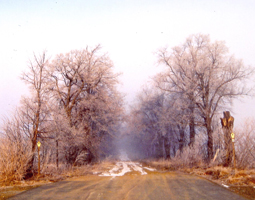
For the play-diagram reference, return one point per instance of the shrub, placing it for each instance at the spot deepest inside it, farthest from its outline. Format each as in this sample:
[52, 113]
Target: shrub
[13, 161]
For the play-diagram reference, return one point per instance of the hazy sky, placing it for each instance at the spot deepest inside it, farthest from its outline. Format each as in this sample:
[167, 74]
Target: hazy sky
[129, 30]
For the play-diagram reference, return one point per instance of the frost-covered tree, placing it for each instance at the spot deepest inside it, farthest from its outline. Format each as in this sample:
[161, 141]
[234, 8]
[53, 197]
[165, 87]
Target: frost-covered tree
[33, 108]
[158, 123]
[83, 84]
[203, 73]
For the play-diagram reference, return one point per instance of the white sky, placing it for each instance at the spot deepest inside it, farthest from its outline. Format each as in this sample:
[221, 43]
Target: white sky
[129, 30]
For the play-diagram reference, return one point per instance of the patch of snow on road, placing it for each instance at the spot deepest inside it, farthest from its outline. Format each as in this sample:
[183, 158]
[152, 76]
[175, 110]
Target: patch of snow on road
[137, 168]
[150, 169]
[124, 167]
[225, 186]
[116, 168]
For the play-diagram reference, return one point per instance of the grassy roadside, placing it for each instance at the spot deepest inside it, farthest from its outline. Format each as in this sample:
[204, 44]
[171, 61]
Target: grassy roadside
[9, 191]
[241, 182]
[49, 176]
[238, 181]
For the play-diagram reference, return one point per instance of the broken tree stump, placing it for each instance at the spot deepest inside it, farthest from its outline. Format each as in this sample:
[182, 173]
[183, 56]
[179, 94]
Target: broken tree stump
[227, 123]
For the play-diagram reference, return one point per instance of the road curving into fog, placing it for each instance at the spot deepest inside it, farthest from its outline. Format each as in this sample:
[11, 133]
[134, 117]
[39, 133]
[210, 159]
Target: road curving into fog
[129, 180]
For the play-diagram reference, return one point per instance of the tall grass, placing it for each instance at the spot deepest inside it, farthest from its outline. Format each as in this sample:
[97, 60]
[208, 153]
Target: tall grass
[13, 161]
[15, 151]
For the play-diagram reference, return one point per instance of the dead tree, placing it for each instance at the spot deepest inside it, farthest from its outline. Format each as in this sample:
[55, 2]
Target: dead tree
[227, 123]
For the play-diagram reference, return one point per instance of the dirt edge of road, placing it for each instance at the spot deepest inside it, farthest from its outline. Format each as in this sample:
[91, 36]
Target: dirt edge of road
[9, 191]
[22, 186]
[247, 191]
[241, 186]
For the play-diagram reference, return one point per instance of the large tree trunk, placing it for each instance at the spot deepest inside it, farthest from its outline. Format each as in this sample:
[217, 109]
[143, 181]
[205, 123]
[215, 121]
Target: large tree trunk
[167, 147]
[210, 140]
[181, 140]
[192, 130]
[160, 148]
[192, 121]
[30, 164]
[163, 147]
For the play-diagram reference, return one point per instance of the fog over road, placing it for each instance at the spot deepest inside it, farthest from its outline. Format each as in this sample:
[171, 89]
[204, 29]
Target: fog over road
[129, 180]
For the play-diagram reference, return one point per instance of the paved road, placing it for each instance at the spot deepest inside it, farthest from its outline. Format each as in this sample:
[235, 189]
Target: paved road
[133, 185]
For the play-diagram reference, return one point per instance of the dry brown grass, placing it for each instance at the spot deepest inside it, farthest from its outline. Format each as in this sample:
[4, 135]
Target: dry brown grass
[52, 173]
[13, 161]
[162, 164]
[186, 160]
[166, 165]
[218, 172]
[13, 164]
[221, 174]
[228, 175]
[242, 177]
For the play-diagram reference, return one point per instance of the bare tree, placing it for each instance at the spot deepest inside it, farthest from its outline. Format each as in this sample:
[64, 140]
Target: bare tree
[36, 79]
[158, 124]
[204, 74]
